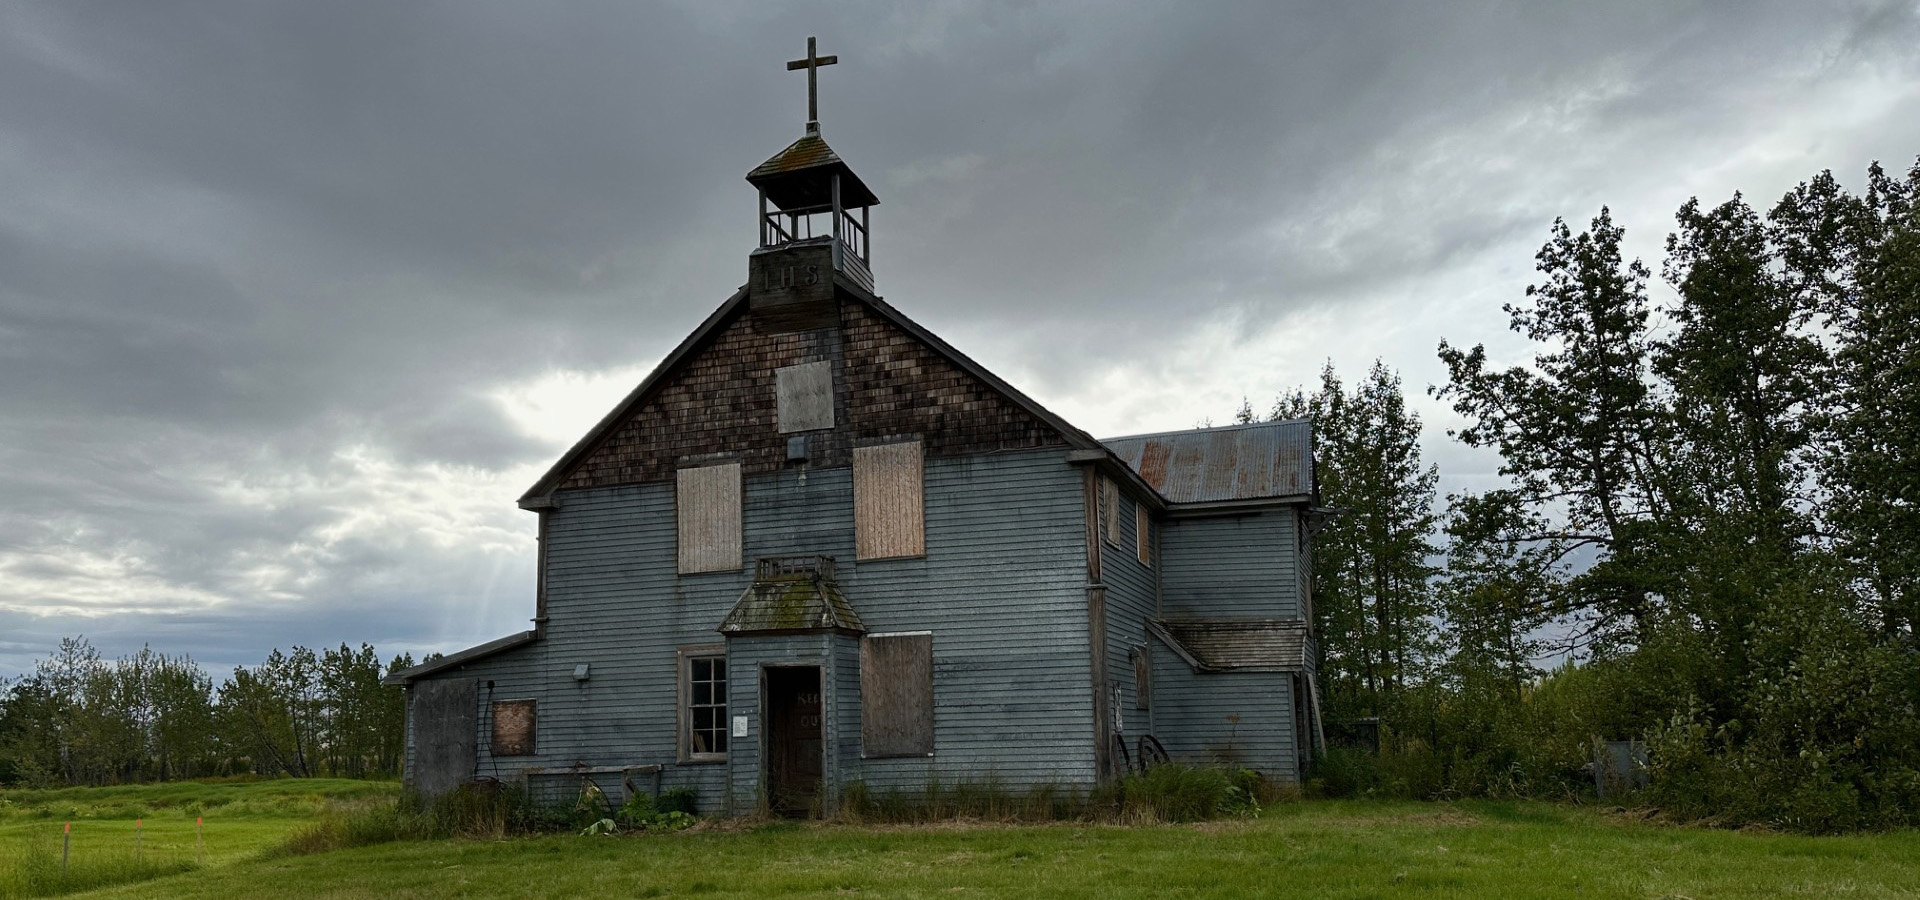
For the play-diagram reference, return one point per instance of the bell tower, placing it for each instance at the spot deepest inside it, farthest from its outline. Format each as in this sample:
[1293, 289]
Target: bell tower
[813, 221]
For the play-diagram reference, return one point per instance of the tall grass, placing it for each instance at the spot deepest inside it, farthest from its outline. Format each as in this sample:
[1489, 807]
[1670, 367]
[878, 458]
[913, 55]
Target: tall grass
[1166, 793]
[36, 871]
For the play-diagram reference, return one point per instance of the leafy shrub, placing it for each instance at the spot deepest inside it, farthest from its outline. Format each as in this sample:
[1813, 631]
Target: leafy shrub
[1177, 793]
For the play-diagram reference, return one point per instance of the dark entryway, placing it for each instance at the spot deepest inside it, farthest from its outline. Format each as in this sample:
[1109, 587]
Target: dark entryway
[795, 739]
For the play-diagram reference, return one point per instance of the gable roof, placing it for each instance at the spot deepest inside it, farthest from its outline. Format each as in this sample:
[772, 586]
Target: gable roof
[1259, 461]
[539, 495]
[1230, 645]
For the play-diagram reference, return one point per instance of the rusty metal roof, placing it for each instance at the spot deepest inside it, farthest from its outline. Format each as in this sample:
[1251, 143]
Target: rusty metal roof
[801, 176]
[1230, 645]
[1264, 460]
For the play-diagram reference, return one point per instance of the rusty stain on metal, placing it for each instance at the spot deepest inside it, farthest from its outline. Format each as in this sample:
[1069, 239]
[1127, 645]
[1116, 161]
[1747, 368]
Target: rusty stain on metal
[1238, 462]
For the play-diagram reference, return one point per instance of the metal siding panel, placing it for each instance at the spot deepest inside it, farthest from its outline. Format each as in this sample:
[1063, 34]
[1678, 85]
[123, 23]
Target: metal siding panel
[889, 510]
[709, 518]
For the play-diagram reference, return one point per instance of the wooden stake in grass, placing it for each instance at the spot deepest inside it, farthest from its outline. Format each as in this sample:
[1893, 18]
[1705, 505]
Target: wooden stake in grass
[138, 853]
[199, 844]
[66, 846]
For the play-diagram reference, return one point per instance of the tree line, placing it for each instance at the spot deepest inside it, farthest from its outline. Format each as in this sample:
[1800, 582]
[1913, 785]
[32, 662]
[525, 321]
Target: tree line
[81, 719]
[1711, 505]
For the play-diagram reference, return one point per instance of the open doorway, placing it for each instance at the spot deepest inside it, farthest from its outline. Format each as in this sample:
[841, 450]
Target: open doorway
[795, 739]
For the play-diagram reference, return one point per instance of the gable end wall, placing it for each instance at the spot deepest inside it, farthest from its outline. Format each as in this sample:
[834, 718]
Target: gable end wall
[886, 383]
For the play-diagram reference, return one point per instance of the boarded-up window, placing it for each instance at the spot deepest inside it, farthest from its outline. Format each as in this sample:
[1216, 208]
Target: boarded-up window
[889, 518]
[512, 728]
[1142, 534]
[803, 396]
[1142, 677]
[896, 695]
[707, 501]
[1110, 508]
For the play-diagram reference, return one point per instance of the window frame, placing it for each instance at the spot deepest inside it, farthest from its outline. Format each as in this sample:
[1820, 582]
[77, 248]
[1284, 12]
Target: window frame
[1110, 511]
[1143, 534]
[684, 706]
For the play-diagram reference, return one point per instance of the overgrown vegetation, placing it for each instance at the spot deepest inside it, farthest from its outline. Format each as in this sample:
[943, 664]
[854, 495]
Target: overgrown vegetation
[1712, 504]
[1165, 793]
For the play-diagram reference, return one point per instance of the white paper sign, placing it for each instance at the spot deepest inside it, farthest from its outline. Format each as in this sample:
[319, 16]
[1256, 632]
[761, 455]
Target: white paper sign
[740, 726]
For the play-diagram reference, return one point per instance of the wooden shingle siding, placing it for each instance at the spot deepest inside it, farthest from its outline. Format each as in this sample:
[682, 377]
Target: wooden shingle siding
[1003, 585]
[1233, 718]
[707, 504]
[888, 501]
[896, 695]
[724, 399]
[1224, 566]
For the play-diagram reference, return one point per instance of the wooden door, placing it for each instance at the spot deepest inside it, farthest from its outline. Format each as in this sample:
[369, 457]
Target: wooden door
[796, 739]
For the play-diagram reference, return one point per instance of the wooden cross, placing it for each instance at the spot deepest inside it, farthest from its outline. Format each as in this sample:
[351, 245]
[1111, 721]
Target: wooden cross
[812, 64]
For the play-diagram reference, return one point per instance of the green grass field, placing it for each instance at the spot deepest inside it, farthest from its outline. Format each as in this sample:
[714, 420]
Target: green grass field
[1311, 849]
[241, 819]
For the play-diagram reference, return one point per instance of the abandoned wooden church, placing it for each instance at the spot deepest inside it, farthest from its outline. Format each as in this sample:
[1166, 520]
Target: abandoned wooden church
[819, 546]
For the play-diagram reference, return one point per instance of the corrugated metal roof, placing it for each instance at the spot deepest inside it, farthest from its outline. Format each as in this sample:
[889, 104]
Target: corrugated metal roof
[1226, 645]
[1263, 460]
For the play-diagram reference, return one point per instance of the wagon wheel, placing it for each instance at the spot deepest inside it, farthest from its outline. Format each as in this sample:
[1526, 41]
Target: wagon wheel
[1151, 753]
[1120, 754]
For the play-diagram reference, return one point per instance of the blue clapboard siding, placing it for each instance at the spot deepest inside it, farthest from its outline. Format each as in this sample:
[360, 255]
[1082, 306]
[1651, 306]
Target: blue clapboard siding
[1002, 588]
[1243, 566]
[1191, 716]
[1130, 602]
[745, 657]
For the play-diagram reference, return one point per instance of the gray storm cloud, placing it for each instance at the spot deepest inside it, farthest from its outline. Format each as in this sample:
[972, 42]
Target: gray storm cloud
[277, 280]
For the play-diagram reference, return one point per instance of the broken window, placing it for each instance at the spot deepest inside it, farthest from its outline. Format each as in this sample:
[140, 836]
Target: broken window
[707, 504]
[1142, 676]
[896, 694]
[512, 728]
[1110, 509]
[1142, 532]
[803, 397]
[889, 516]
[703, 703]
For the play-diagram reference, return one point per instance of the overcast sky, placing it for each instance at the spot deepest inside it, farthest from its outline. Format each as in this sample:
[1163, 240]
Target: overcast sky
[296, 298]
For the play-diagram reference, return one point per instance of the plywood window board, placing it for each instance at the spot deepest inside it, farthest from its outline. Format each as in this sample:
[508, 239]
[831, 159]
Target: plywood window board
[889, 501]
[803, 397]
[707, 507]
[896, 695]
[513, 727]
